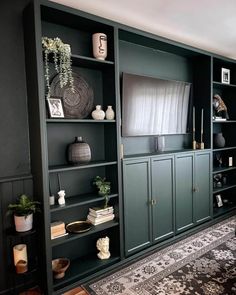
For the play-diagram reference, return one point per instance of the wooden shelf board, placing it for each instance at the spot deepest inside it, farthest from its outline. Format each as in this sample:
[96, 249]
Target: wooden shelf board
[80, 200]
[224, 148]
[94, 229]
[65, 120]
[84, 61]
[13, 233]
[222, 169]
[224, 188]
[222, 210]
[81, 267]
[219, 84]
[64, 168]
[224, 122]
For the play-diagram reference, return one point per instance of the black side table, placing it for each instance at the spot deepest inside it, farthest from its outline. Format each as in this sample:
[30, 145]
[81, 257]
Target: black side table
[19, 282]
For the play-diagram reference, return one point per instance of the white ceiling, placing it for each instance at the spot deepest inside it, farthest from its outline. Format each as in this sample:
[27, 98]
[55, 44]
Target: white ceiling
[205, 24]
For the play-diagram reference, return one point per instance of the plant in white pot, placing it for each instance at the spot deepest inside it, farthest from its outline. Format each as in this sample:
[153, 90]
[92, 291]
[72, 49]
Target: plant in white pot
[23, 213]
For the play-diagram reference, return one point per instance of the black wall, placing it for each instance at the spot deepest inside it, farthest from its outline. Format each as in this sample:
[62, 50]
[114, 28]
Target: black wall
[14, 147]
[14, 135]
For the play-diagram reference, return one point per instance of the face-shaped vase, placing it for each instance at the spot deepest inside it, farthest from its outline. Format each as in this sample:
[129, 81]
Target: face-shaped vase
[100, 46]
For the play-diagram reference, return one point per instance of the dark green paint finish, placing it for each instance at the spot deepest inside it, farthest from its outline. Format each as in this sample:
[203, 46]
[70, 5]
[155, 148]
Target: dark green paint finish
[136, 178]
[76, 22]
[146, 61]
[184, 191]
[163, 196]
[202, 202]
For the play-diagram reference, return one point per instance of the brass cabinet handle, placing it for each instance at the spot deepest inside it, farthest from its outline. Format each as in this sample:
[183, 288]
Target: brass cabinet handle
[153, 202]
[195, 189]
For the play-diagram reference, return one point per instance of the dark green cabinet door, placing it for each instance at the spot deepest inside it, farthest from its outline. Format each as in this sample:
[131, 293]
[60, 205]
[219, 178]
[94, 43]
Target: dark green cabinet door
[202, 195]
[184, 191]
[162, 197]
[136, 183]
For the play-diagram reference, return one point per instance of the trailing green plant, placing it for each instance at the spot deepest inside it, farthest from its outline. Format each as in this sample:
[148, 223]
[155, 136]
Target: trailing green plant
[24, 207]
[62, 62]
[104, 188]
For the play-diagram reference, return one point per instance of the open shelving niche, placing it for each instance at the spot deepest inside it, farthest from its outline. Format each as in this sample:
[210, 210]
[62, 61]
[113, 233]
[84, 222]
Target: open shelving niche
[227, 92]
[76, 29]
[146, 55]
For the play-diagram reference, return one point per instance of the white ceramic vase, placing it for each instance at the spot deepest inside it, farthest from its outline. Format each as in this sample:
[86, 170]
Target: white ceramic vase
[23, 223]
[98, 113]
[100, 45]
[110, 114]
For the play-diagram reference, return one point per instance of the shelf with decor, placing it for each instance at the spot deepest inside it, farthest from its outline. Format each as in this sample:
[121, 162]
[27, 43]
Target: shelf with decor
[223, 210]
[224, 144]
[82, 267]
[65, 168]
[80, 200]
[66, 116]
[129, 51]
[74, 236]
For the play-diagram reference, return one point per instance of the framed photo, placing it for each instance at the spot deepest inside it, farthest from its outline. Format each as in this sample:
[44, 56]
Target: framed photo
[225, 76]
[219, 201]
[55, 108]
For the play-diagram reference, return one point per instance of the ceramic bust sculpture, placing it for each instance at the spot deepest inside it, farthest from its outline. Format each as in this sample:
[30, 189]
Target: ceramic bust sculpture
[103, 247]
[61, 199]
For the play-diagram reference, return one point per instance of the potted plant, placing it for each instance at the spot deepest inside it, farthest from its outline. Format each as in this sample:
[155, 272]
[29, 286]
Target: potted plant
[104, 188]
[23, 213]
[61, 54]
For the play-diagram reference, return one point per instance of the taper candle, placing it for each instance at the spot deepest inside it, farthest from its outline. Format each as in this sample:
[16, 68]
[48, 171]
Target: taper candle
[194, 119]
[202, 125]
[194, 141]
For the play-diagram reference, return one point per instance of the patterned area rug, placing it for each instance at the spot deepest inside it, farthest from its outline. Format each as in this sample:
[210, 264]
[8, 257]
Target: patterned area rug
[204, 263]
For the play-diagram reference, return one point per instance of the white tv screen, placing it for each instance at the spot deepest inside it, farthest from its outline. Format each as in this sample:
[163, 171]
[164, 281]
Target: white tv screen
[153, 106]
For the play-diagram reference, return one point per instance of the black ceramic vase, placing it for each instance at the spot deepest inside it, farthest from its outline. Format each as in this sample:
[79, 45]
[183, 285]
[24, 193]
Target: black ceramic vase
[219, 140]
[78, 152]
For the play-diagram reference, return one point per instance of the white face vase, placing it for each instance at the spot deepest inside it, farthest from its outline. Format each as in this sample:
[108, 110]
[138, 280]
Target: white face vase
[100, 46]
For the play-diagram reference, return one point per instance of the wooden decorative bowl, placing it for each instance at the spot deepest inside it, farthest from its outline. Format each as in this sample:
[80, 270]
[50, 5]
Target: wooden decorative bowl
[59, 267]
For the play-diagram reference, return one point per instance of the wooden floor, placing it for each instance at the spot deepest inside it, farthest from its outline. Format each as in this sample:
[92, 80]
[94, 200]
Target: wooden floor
[36, 291]
[76, 291]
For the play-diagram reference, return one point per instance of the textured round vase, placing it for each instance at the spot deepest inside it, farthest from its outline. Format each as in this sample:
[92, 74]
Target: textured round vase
[98, 114]
[100, 45]
[218, 140]
[78, 151]
[110, 114]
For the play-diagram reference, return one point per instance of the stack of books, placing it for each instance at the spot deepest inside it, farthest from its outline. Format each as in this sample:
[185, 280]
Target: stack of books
[58, 229]
[98, 215]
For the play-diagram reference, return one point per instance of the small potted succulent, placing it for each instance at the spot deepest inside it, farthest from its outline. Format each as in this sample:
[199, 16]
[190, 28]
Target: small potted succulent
[104, 188]
[23, 213]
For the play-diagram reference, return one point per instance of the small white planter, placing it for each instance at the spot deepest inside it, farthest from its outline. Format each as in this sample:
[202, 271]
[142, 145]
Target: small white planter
[23, 223]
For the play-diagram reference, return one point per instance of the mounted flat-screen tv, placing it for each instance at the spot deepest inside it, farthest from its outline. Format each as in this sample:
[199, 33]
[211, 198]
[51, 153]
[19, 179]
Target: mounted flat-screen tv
[153, 106]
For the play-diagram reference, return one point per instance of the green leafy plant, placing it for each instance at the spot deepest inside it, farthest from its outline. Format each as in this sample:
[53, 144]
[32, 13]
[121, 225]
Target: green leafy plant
[104, 188]
[24, 207]
[62, 61]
